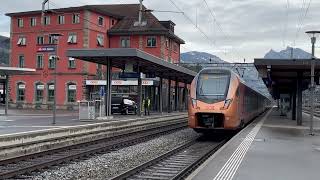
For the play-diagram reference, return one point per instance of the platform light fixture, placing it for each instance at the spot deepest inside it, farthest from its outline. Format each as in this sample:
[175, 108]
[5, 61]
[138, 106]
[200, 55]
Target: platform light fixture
[313, 35]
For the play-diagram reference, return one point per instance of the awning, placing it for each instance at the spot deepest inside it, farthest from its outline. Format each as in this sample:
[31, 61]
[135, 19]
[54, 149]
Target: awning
[148, 63]
[281, 75]
[14, 70]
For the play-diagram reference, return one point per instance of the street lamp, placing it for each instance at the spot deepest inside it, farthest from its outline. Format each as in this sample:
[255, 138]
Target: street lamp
[313, 36]
[55, 57]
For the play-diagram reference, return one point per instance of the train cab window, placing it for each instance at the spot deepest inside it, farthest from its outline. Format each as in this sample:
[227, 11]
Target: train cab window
[213, 87]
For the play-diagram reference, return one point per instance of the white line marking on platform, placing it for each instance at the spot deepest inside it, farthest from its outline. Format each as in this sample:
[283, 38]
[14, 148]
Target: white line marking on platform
[37, 126]
[229, 169]
[7, 120]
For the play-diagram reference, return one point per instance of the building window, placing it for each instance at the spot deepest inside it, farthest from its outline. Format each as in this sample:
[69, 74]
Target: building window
[21, 91]
[50, 92]
[33, 21]
[72, 39]
[46, 20]
[53, 40]
[151, 41]
[71, 63]
[100, 40]
[21, 61]
[125, 42]
[167, 43]
[39, 92]
[40, 40]
[75, 18]
[20, 22]
[52, 64]
[22, 41]
[72, 90]
[39, 61]
[100, 21]
[175, 47]
[60, 19]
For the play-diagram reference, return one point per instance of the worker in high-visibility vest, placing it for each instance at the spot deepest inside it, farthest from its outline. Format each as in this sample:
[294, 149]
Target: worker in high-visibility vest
[147, 104]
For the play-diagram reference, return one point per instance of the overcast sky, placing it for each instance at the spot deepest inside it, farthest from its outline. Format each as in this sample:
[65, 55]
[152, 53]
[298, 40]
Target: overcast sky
[241, 29]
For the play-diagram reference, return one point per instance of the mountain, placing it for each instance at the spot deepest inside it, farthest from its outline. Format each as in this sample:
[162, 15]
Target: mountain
[297, 53]
[199, 57]
[4, 50]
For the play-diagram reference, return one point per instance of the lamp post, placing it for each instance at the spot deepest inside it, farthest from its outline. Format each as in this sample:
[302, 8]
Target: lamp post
[55, 57]
[313, 37]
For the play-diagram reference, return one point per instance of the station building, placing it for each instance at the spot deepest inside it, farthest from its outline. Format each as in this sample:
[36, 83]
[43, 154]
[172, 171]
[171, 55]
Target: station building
[33, 45]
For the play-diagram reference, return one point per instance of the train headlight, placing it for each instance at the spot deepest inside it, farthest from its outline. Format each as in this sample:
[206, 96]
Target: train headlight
[194, 103]
[227, 103]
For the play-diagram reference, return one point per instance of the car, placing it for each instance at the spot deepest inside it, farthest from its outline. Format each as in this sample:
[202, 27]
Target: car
[123, 105]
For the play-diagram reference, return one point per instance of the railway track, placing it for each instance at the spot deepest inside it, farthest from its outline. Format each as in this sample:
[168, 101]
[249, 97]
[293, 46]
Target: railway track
[175, 164]
[17, 167]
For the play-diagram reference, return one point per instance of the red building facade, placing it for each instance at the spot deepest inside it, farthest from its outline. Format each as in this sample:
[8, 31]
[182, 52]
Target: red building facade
[33, 45]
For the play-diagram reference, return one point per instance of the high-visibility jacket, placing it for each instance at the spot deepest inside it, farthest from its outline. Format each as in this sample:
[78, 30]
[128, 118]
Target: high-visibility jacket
[149, 102]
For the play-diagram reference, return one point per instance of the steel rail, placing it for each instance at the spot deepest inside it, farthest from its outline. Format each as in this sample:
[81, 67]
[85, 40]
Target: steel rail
[26, 164]
[178, 170]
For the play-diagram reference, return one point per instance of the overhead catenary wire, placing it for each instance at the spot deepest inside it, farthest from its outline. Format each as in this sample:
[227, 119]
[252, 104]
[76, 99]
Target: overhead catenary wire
[284, 34]
[301, 19]
[213, 15]
[212, 42]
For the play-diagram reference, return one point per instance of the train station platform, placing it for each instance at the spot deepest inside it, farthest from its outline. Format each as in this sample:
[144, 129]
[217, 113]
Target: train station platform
[22, 121]
[272, 147]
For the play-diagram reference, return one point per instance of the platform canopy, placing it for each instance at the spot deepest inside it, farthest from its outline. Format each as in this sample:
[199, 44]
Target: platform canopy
[281, 75]
[148, 63]
[4, 70]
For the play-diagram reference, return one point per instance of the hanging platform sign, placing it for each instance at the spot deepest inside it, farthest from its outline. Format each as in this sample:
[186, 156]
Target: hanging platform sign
[96, 82]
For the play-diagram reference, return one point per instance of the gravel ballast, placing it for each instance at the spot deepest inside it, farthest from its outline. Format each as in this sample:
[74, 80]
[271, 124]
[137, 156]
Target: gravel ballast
[107, 165]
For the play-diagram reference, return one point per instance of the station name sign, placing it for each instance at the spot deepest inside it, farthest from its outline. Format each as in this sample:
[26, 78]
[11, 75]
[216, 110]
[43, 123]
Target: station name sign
[46, 49]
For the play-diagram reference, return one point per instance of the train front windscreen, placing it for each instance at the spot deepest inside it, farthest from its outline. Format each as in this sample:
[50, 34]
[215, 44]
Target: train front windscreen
[212, 87]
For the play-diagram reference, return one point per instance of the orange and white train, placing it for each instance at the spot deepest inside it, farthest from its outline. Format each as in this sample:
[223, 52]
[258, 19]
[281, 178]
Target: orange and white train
[220, 100]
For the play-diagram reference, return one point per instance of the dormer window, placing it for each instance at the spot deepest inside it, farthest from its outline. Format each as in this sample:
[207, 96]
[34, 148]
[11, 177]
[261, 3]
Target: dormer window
[22, 41]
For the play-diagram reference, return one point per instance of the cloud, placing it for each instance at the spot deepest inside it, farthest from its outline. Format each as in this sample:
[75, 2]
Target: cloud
[250, 27]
